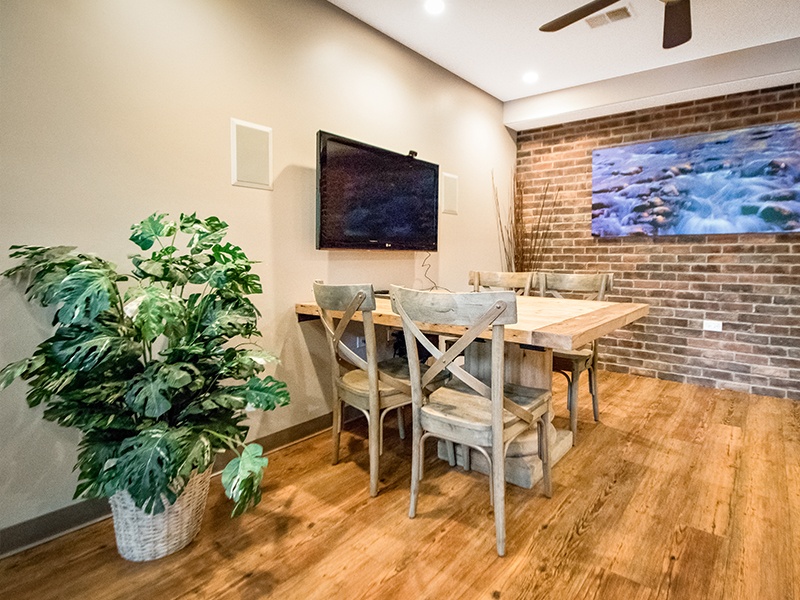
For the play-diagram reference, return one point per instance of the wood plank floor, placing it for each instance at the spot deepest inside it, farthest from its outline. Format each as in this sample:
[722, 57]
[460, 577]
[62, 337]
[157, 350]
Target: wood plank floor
[679, 492]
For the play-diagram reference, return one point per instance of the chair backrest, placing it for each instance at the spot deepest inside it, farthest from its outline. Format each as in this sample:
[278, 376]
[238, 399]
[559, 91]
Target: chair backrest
[477, 312]
[520, 282]
[348, 300]
[588, 286]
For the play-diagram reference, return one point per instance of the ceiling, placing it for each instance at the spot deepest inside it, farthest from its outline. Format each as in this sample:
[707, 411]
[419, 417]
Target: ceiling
[494, 43]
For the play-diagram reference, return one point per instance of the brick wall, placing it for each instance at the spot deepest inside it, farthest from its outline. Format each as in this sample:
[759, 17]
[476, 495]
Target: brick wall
[749, 282]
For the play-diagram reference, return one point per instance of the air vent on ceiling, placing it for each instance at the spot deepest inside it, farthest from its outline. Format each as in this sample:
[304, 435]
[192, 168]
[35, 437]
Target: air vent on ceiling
[617, 14]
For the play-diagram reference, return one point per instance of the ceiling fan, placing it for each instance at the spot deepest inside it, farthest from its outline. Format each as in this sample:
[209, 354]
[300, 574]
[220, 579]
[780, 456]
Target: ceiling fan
[677, 19]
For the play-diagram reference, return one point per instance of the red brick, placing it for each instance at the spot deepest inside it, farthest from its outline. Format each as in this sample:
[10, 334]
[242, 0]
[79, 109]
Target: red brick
[750, 282]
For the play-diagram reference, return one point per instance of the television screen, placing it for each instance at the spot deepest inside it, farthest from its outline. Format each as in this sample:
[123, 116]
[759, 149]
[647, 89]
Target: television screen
[371, 198]
[742, 181]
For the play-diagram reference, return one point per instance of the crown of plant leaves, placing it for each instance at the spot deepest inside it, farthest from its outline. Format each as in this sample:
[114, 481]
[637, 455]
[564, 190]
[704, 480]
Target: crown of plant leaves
[149, 372]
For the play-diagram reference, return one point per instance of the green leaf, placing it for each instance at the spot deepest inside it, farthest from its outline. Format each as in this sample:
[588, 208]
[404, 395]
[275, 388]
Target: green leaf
[85, 294]
[148, 231]
[205, 234]
[219, 318]
[47, 378]
[148, 268]
[178, 376]
[46, 269]
[91, 408]
[200, 457]
[155, 311]
[12, 371]
[266, 394]
[96, 449]
[223, 399]
[83, 349]
[246, 363]
[35, 257]
[150, 393]
[148, 466]
[242, 477]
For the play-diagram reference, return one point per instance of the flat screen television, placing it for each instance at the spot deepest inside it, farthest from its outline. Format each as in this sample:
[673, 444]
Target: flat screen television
[371, 198]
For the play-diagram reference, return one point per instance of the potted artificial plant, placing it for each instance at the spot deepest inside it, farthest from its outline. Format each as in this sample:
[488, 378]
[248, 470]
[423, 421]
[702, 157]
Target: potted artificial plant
[155, 369]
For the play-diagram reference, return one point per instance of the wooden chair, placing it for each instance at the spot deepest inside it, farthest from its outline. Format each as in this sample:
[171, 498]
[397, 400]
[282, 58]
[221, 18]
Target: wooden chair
[373, 388]
[484, 281]
[467, 411]
[520, 282]
[571, 363]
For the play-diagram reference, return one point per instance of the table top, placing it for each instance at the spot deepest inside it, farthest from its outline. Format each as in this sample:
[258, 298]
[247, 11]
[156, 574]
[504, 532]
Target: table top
[547, 322]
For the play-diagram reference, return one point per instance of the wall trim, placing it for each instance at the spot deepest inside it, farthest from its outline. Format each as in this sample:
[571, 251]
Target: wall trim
[47, 527]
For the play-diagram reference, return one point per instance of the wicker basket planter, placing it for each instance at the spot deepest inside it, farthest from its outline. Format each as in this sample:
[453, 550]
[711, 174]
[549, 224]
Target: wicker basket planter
[142, 537]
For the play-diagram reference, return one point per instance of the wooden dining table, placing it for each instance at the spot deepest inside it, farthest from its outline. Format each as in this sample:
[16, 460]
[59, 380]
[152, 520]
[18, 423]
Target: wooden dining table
[543, 325]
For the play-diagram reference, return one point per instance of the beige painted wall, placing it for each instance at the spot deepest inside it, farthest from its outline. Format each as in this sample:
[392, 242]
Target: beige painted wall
[110, 111]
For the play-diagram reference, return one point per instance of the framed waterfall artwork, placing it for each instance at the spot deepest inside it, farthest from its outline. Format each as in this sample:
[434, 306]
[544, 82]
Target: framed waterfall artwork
[741, 181]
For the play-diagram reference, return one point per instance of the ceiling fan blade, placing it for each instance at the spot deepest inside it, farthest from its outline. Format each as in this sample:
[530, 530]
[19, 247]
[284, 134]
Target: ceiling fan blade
[677, 23]
[576, 15]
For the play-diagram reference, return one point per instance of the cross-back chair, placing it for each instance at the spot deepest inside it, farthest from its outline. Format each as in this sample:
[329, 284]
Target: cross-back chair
[371, 387]
[486, 416]
[571, 363]
[521, 282]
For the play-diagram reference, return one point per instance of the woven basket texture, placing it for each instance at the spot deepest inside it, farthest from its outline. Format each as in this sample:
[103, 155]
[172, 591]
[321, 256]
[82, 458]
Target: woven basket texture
[142, 537]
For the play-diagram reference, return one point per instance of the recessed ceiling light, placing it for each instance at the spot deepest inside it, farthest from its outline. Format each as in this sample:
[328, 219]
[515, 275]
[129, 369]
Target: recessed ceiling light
[434, 7]
[530, 77]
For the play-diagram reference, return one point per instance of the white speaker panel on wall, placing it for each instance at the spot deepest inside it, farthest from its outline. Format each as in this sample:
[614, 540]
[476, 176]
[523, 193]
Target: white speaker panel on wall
[449, 194]
[251, 155]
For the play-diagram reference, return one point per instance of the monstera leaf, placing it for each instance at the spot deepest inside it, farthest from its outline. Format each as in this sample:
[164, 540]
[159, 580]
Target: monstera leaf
[14, 370]
[46, 269]
[148, 466]
[205, 234]
[242, 477]
[219, 317]
[84, 294]
[247, 363]
[155, 311]
[83, 349]
[148, 231]
[150, 393]
[95, 451]
[200, 457]
[266, 394]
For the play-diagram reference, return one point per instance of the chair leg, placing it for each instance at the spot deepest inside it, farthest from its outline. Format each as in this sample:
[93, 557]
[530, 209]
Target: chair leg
[595, 390]
[336, 427]
[499, 493]
[465, 455]
[544, 453]
[416, 467]
[572, 400]
[380, 430]
[374, 441]
[401, 424]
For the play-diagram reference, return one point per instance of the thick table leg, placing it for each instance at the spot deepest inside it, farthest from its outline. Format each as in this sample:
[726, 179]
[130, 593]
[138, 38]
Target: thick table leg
[532, 368]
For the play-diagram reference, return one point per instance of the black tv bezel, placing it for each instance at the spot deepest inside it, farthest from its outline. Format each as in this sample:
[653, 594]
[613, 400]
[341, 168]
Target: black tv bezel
[322, 138]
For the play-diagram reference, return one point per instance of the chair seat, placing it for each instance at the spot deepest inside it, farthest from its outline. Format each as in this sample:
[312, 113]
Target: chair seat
[453, 409]
[563, 360]
[355, 384]
[397, 367]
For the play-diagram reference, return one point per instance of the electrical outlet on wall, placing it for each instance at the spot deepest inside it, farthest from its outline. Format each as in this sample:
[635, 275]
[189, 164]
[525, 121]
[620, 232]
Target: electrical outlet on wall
[711, 325]
[360, 342]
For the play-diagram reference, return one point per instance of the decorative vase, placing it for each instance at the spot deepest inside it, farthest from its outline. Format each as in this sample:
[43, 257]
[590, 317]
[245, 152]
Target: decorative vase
[142, 537]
